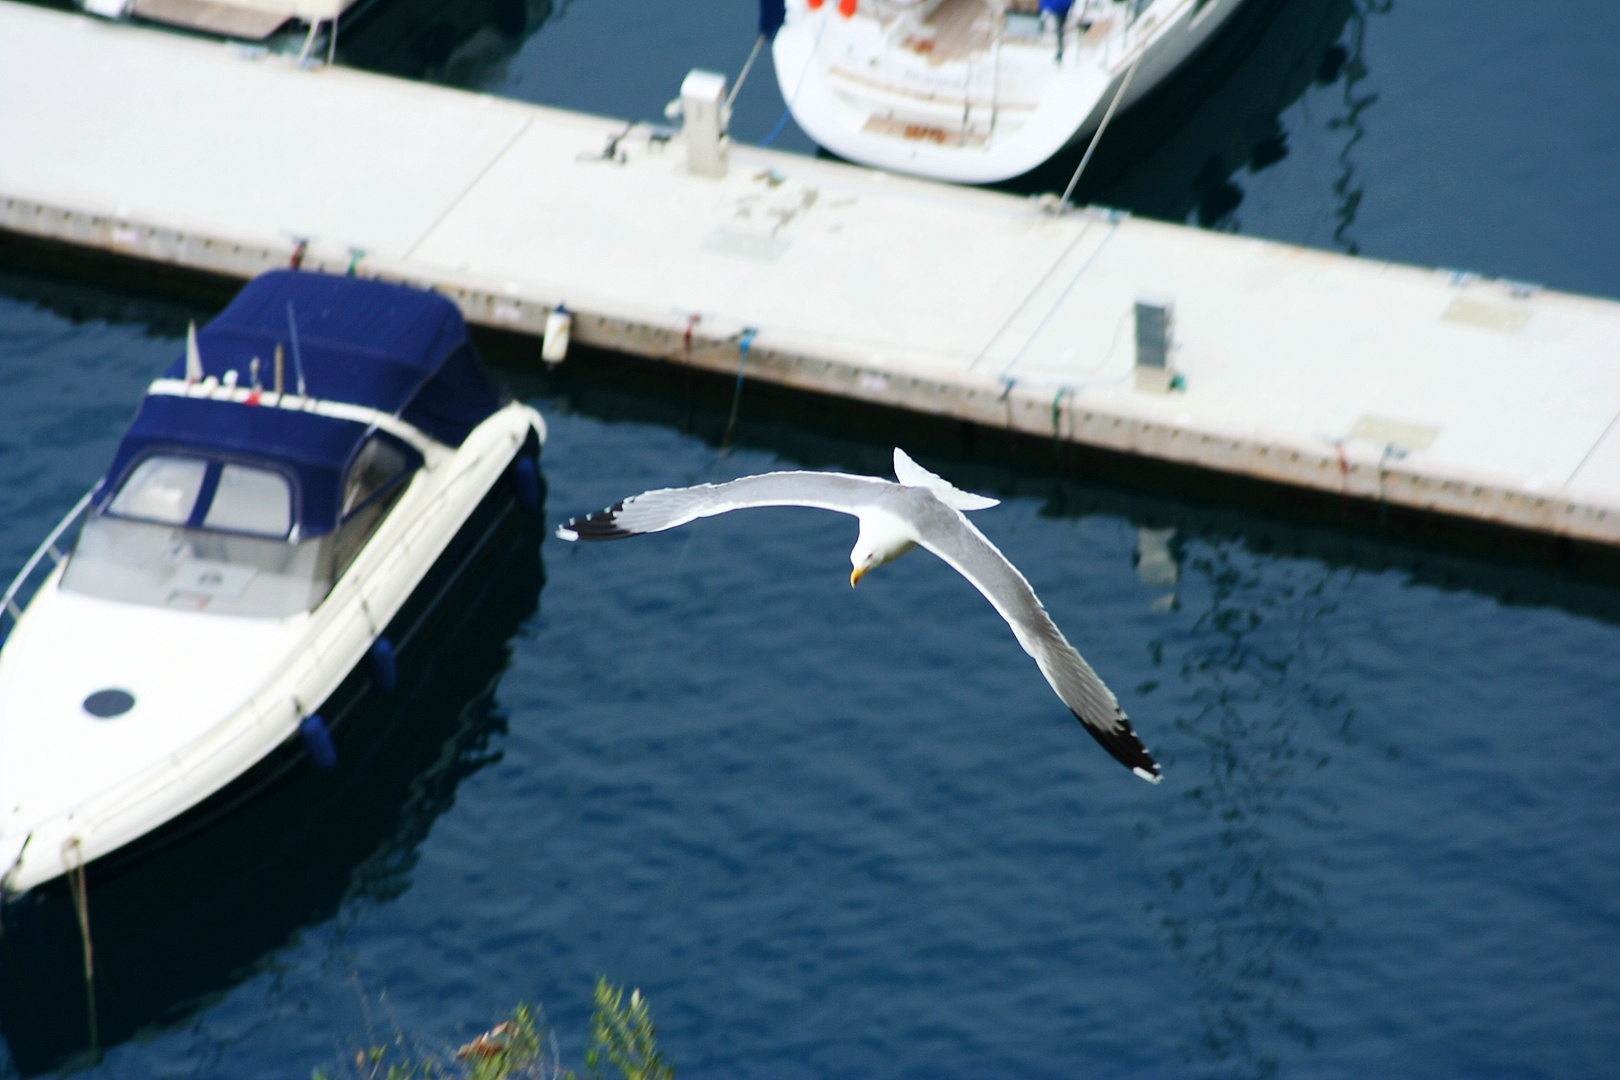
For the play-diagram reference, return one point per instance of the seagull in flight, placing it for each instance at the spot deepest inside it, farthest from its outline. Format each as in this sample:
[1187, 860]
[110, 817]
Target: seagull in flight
[921, 509]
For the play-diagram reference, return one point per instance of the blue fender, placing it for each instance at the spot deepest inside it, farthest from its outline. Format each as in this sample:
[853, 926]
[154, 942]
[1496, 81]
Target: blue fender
[384, 668]
[318, 742]
[526, 478]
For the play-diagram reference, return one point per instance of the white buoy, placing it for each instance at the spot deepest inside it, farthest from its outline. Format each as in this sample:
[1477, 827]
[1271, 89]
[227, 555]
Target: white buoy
[554, 346]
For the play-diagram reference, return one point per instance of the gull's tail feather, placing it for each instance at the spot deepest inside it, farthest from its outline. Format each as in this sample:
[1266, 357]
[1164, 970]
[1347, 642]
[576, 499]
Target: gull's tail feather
[911, 474]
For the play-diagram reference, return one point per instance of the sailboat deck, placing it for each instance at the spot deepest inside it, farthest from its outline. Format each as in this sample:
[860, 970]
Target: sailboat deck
[958, 29]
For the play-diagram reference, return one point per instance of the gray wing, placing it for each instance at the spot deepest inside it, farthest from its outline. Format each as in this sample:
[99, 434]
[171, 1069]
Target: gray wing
[655, 511]
[950, 535]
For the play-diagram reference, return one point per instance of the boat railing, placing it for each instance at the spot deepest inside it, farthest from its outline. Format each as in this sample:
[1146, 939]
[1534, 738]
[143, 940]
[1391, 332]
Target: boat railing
[11, 608]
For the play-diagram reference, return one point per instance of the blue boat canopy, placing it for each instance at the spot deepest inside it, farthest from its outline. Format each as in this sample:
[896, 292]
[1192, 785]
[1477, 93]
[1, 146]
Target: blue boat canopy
[391, 348]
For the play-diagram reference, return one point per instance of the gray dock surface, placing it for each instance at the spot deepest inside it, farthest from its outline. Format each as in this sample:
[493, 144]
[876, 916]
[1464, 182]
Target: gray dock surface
[1427, 389]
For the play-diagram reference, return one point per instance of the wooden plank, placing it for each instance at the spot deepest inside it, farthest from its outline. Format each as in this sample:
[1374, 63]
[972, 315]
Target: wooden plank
[211, 17]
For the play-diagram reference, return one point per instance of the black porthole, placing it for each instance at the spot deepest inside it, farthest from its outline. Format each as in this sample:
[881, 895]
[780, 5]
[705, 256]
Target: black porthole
[107, 704]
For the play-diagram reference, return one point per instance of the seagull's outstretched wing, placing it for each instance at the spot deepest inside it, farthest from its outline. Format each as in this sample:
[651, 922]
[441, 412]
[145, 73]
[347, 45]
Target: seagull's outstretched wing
[655, 511]
[950, 535]
[941, 529]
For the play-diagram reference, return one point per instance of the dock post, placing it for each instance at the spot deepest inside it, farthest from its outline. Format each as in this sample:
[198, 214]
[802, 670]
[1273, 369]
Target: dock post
[1154, 369]
[703, 122]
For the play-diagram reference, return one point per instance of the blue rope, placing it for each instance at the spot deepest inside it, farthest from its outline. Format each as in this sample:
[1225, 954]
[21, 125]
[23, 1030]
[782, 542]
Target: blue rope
[777, 130]
[736, 394]
[742, 354]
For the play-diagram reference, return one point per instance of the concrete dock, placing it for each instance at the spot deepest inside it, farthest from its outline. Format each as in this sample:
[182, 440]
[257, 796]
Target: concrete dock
[1427, 389]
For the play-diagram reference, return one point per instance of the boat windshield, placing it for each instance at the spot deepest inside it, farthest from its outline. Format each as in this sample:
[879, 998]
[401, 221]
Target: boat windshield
[201, 535]
[143, 562]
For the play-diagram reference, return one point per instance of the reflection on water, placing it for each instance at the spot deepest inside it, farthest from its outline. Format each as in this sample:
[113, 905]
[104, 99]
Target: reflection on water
[82, 303]
[1185, 151]
[1175, 155]
[1346, 190]
[456, 42]
[1246, 911]
[1156, 563]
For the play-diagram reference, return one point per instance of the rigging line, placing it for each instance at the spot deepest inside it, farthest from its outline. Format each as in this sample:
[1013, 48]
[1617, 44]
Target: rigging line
[1064, 295]
[1102, 127]
[815, 47]
[1030, 295]
[1570, 479]
[474, 182]
[753, 55]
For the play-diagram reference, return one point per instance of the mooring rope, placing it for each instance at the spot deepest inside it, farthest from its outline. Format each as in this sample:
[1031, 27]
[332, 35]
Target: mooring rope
[753, 54]
[743, 343]
[81, 907]
[1102, 127]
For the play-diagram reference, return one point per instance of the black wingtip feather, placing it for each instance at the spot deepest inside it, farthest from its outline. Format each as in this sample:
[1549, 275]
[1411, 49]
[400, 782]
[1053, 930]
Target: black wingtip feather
[598, 526]
[1126, 748]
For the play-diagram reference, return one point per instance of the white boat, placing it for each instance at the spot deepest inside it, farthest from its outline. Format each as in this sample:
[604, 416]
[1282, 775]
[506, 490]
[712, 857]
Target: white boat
[291, 501]
[242, 20]
[976, 91]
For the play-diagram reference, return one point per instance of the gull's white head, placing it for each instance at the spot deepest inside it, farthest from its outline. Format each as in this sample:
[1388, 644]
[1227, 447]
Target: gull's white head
[884, 537]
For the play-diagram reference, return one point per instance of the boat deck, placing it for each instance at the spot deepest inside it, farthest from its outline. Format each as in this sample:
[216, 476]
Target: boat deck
[959, 29]
[1482, 400]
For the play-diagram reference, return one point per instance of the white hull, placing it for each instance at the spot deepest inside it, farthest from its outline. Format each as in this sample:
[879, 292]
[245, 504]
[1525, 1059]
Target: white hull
[919, 87]
[215, 693]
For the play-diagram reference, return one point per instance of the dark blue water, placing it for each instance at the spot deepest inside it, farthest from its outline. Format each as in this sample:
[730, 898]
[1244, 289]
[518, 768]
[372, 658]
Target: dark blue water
[838, 832]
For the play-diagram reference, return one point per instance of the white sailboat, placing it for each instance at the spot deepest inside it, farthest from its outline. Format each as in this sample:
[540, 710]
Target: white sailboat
[976, 91]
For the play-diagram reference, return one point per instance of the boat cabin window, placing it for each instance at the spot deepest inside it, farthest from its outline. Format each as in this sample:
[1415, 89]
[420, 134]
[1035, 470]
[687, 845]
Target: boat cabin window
[217, 536]
[378, 464]
[226, 497]
[201, 535]
[249, 500]
[369, 492]
[161, 489]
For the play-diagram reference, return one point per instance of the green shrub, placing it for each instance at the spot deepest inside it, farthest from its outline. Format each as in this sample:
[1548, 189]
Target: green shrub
[622, 1039]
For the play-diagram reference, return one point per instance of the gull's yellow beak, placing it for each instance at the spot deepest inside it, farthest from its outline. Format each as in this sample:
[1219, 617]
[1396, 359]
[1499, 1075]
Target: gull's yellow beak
[855, 575]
